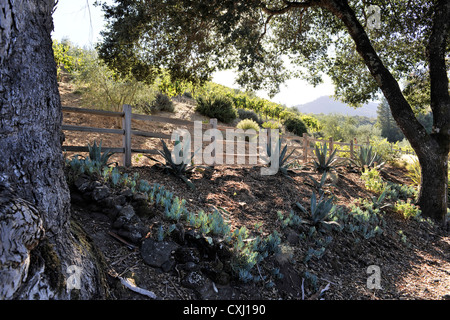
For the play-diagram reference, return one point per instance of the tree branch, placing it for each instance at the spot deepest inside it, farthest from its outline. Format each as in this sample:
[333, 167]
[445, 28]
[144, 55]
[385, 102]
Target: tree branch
[289, 6]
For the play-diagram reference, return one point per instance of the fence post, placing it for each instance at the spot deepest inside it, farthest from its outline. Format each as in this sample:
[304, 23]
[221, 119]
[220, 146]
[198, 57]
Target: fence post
[305, 147]
[351, 149]
[126, 125]
[331, 144]
[213, 125]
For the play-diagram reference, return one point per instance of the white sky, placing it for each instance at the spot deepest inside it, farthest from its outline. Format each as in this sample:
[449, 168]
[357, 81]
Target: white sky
[81, 23]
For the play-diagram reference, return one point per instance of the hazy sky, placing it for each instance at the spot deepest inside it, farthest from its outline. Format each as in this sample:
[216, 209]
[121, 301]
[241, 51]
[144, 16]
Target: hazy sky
[81, 23]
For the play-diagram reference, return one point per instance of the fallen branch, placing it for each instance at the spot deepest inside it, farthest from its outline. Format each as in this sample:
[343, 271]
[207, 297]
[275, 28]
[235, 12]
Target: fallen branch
[127, 283]
[122, 240]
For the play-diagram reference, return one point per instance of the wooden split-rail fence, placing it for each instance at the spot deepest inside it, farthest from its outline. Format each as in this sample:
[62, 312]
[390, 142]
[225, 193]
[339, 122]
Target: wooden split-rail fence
[304, 144]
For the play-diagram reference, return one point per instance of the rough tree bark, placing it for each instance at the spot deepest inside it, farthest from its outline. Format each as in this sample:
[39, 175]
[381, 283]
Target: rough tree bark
[38, 242]
[431, 149]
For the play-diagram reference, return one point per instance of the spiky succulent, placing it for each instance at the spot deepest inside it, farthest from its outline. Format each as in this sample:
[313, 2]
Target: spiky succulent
[367, 157]
[284, 158]
[323, 162]
[178, 169]
[96, 155]
[320, 211]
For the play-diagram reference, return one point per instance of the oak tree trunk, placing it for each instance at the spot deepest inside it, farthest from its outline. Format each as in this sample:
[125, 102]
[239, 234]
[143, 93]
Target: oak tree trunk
[433, 196]
[39, 254]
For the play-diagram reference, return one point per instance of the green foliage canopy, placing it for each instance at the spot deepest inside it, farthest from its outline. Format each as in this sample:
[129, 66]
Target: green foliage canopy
[192, 39]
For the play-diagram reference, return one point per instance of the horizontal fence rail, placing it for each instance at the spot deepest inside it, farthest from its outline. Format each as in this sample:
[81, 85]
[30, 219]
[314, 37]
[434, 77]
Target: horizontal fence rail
[305, 144]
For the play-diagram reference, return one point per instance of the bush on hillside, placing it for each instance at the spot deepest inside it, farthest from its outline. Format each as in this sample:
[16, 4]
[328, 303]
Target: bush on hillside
[219, 107]
[271, 125]
[248, 124]
[295, 125]
[161, 103]
[249, 114]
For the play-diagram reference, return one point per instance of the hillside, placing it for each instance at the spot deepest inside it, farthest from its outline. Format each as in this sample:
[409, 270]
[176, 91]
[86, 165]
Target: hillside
[413, 256]
[328, 105]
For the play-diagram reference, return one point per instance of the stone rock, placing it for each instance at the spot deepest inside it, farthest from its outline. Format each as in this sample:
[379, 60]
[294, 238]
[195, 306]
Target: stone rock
[127, 193]
[178, 234]
[125, 215]
[199, 241]
[202, 285]
[100, 193]
[157, 253]
[130, 225]
[112, 212]
[185, 254]
[292, 237]
[143, 210]
[139, 197]
[132, 233]
[82, 183]
[189, 266]
[114, 200]
[215, 271]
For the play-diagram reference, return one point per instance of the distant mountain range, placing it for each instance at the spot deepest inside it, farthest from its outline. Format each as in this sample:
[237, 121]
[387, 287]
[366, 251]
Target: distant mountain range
[327, 105]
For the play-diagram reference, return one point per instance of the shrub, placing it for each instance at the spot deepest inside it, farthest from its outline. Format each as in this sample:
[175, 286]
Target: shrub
[247, 124]
[388, 151]
[271, 125]
[407, 209]
[219, 107]
[162, 102]
[248, 114]
[312, 123]
[415, 172]
[295, 125]
[372, 180]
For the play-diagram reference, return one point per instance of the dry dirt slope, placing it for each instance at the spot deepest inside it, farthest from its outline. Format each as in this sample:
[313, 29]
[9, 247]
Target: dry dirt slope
[418, 268]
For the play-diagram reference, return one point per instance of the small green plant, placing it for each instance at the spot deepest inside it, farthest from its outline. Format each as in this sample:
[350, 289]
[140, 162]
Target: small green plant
[363, 218]
[402, 236]
[178, 169]
[398, 191]
[322, 183]
[414, 172]
[324, 162]
[372, 180]
[366, 157]
[292, 220]
[378, 202]
[407, 209]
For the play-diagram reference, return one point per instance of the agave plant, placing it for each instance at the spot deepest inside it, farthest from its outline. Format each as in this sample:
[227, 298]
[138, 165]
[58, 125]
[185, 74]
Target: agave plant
[366, 157]
[322, 162]
[283, 157]
[96, 155]
[320, 211]
[178, 169]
